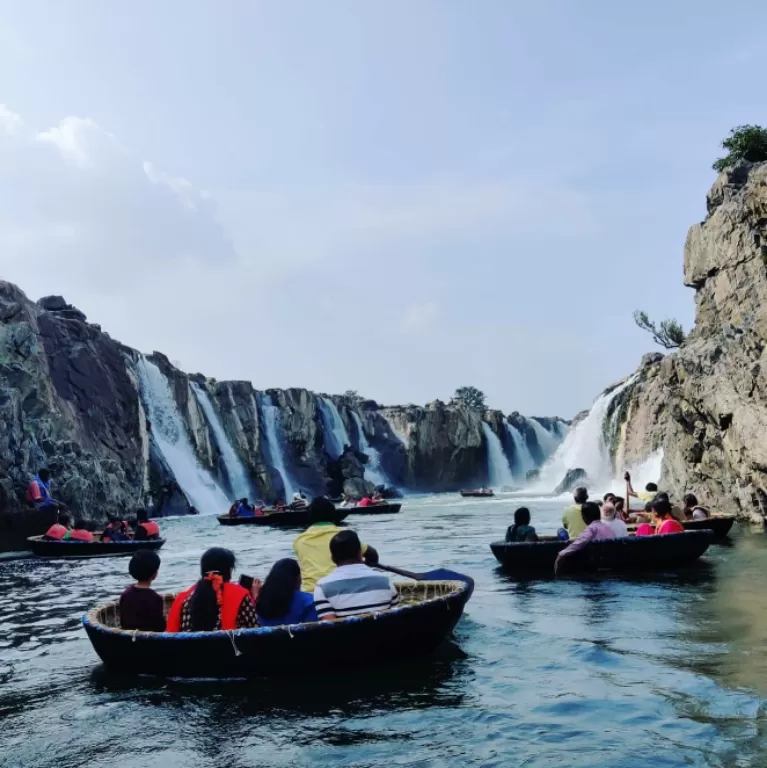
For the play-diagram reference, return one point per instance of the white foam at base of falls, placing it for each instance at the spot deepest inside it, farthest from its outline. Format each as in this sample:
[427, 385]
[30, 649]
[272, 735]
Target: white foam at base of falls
[523, 460]
[498, 470]
[336, 436]
[274, 446]
[170, 436]
[373, 469]
[238, 477]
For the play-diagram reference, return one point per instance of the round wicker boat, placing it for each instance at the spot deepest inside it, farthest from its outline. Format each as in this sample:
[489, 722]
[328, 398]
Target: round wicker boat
[629, 553]
[374, 509]
[42, 547]
[720, 525]
[291, 518]
[426, 614]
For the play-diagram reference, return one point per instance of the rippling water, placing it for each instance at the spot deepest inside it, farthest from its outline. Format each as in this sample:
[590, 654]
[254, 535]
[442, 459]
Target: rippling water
[668, 670]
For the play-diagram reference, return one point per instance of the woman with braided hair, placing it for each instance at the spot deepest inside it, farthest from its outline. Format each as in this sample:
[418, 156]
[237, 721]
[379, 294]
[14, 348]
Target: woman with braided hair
[214, 603]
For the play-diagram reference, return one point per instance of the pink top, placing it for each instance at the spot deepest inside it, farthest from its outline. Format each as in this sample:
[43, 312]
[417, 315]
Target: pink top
[366, 501]
[670, 526]
[593, 532]
[645, 529]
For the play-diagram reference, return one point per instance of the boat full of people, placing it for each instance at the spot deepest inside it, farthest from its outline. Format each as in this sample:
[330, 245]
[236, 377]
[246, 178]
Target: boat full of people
[480, 493]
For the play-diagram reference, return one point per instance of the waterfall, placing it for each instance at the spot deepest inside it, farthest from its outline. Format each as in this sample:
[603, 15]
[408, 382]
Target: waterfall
[547, 442]
[498, 470]
[169, 433]
[523, 459]
[373, 468]
[238, 477]
[336, 436]
[271, 416]
[584, 447]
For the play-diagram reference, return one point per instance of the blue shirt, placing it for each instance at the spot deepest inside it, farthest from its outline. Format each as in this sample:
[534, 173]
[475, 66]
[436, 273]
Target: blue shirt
[301, 610]
[244, 511]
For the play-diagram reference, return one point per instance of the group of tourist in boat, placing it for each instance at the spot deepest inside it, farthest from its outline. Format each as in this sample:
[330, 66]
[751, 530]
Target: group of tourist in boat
[332, 577]
[241, 507]
[116, 530]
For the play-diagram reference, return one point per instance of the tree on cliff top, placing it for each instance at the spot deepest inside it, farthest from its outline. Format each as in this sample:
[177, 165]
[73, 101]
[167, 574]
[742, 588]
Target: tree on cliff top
[470, 397]
[669, 335]
[352, 397]
[746, 142]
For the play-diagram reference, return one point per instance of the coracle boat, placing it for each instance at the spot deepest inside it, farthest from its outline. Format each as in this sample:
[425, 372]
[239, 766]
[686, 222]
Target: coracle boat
[720, 525]
[629, 553]
[426, 614]
[477, 494]
[374, 509]
[77, 549]
[290, 518]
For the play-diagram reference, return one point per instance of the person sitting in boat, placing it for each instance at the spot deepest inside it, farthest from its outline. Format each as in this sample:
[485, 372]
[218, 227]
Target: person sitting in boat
[378, 498]
[299, 501]
[366, 501]
[648, 494]
[280, 505]
[620, 508]
[347, 501]
[313, 545]
[243, 509]
[594, 530]
[141, 607]
[214, 603]
[146, 529]
[608, 498]
[572, 517]
[80, 532]
[58, 531]
[610, 517]
[645, 527]
[521, 530]
[665, 518]
[39, 492]
[352, 588]
[281, 600]
[692, 511]
[116, 531]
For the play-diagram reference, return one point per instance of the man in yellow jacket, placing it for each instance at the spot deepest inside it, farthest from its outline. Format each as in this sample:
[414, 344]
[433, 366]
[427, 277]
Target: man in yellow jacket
[572, 518]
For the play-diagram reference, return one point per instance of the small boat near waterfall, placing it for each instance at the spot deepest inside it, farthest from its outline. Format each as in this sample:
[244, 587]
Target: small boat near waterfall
[720, 525]
[42, 547]
[374, 509]
[426, 614]
[633, 553]
[481, 494]
[290, 518]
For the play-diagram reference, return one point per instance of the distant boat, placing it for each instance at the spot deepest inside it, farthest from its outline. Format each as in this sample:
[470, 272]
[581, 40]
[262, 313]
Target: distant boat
[478, 494]
[42, 547]
[290, 518]
[374, 509]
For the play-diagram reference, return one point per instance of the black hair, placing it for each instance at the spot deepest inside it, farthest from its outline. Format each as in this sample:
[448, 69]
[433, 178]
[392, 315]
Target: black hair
[203, 604]
[80, 524]
[322, 511]
[619, 502]
[608, 495]
[522, 516]
[44, 474]
[64, 519]
[648, 506]
[581, 495]
[661, 496]
[345, 547]
[690, 500]
[590, 512]
[144, 564]
[280, 585]
[142, 516]
[651, 488]
[661, 507]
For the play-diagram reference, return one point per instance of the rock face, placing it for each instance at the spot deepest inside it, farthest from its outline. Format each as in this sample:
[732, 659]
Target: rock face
[706, 404]
[572, 479]
[119, 431]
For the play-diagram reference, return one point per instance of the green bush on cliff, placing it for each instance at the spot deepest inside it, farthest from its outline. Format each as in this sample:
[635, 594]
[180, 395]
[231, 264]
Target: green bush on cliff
[470, 397]
[670, 334]
[746, 142]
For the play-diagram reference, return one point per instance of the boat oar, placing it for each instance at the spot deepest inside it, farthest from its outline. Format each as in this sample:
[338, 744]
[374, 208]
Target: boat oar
[440, 574]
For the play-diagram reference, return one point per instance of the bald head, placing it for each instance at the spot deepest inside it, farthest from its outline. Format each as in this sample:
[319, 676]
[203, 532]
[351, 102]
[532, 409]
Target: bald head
[581, 495]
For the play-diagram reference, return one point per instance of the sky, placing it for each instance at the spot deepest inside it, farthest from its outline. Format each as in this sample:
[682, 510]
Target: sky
[394, 197]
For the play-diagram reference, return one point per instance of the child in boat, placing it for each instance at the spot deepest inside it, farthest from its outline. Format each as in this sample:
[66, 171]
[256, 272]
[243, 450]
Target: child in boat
[280, 600]
[140, 606]
[521, 530]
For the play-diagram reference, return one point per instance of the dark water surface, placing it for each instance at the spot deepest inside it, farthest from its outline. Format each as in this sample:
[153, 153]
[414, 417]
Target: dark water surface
[669, 670]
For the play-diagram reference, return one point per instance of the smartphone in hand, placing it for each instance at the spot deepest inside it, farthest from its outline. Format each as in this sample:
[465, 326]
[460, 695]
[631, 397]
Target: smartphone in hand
[246, 582]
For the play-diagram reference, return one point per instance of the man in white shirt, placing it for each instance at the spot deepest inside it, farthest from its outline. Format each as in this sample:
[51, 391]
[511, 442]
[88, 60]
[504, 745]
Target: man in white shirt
[353, 587]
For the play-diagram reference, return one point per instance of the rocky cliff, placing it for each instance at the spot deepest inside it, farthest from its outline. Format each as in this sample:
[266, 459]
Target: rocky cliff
[705, 405]
[119, 430]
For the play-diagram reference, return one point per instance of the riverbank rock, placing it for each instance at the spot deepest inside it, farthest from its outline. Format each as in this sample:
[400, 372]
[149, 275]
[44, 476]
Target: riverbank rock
[572, 479]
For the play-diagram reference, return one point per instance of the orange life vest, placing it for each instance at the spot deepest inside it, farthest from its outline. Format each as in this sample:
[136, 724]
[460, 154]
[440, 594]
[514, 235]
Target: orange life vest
[234, 594]
[56, 531]
[151, 528]
[80, 535]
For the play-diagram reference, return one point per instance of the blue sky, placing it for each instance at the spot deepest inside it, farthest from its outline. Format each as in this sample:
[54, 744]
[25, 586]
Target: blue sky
[394, 197]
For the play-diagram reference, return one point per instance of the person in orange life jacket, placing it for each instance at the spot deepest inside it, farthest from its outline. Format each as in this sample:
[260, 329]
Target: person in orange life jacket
[58, 531]
[116, 530]
[214, 603]
[80, 532]
[146, 529]
[39, 492]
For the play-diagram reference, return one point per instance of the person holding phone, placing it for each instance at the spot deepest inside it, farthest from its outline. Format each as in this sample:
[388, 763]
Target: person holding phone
[214, 603]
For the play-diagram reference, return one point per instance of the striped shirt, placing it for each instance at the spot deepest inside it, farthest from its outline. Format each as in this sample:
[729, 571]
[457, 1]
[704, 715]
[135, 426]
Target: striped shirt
[353, 589]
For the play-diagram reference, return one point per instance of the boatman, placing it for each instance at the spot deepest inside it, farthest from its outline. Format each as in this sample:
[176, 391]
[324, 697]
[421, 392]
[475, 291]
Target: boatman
[146, 529]
[39, 492]
[572, 517]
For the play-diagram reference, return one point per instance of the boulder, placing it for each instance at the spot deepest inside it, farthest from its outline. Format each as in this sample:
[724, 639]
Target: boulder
[572, 479]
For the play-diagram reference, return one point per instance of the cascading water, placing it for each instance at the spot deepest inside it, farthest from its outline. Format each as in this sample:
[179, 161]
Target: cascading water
[498, 470]
[270, 414]
[170, 436]
[336, 436]
[238, 477]
[523, 459]
[373, 468]
[547, 442]
[584, 448]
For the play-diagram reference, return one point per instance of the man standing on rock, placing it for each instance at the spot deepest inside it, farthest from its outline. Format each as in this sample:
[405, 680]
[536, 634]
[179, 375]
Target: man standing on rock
[39, 492]
[572, 517]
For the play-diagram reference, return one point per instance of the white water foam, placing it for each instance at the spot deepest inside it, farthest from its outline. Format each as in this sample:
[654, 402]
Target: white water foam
[271, 415]
[548, 443]
[170, 436]
[238, 477]
[523, 460]
[373, 468]
[498, 470]
[336, 435]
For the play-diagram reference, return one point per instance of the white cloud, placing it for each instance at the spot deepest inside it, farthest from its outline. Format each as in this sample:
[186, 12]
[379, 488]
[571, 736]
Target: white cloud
[420, 318]
[10, 122]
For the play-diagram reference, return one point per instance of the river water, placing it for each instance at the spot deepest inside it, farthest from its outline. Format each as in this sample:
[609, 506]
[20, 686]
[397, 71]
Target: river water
[664, 670]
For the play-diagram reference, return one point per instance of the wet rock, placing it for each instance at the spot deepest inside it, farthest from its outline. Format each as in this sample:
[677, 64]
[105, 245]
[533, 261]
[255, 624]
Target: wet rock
[572, 479]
